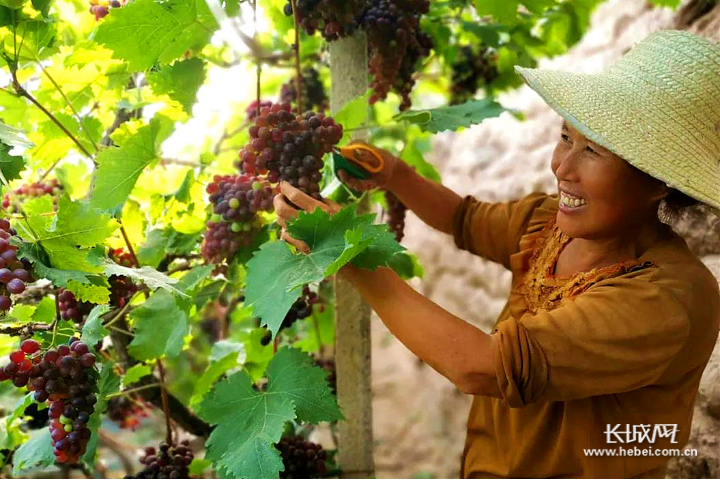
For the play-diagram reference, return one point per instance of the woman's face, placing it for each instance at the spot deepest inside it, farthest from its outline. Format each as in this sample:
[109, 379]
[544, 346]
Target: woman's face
[615, 196]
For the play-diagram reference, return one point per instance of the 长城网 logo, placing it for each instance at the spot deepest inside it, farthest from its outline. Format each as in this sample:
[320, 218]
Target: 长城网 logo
[640, 433]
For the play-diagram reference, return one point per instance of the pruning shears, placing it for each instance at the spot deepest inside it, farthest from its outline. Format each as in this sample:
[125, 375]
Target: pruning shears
[347, 158]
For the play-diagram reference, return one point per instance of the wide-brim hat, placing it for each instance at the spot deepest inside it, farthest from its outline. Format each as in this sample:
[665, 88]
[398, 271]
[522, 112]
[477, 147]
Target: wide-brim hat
[657, 107]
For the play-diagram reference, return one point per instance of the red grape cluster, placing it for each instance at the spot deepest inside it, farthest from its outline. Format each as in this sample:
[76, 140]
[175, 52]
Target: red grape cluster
[12, 201]
[128, 412]
[396, 211]
[302, 459]
[13, 273]
[65, 377]
[471, 70]
[236, 202]
[171, 461]
[122, 287]
[290, 147]
[329, 365]
[313, 91]
[100, 8]
[333, 18]
[251, 112]
[396, 45]
[70, 308]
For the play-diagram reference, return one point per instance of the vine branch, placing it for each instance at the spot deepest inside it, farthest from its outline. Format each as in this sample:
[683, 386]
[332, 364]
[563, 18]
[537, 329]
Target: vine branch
[296, 47]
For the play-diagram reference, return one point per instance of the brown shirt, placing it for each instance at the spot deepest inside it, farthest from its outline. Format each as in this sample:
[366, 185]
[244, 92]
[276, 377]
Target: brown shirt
[624, 344]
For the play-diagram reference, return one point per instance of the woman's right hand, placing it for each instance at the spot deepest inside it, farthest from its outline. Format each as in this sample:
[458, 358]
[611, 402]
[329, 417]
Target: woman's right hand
[379, 179]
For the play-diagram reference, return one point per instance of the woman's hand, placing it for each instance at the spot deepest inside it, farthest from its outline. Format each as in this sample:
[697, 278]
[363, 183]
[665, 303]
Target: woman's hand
[286, 212]
[380, 179]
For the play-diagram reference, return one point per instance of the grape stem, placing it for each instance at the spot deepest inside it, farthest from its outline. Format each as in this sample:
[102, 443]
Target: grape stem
[296, 47]
[129, 246]
[24, 93]
[166, 409]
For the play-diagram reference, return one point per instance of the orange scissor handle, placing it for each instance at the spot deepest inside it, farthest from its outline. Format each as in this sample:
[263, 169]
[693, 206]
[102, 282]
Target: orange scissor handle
[350, 152]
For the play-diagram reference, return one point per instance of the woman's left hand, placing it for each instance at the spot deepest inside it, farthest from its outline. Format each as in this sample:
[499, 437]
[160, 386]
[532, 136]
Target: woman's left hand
[286, 212]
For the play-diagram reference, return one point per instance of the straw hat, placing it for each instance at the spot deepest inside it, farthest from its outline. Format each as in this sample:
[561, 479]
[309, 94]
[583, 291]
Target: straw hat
[658, 107]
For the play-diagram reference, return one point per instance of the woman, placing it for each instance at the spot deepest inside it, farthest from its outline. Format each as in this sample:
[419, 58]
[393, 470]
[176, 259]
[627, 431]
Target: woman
[611, 319]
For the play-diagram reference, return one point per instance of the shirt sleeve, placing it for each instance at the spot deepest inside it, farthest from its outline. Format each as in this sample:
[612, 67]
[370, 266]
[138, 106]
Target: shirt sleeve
[619, 335]
[493, 230]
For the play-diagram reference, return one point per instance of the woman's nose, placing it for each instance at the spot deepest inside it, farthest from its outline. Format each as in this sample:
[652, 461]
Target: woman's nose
[567, 163]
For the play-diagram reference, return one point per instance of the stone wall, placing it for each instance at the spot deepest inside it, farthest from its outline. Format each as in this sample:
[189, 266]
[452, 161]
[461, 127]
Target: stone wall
[419, 417]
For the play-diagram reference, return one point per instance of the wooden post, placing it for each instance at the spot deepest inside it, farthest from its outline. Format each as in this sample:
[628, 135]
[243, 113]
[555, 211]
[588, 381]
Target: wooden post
[349, 78]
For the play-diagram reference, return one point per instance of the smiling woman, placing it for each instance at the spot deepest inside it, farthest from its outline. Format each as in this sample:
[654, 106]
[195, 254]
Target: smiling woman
[611, 319]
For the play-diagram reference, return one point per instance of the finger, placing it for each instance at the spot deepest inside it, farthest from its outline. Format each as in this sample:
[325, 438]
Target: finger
[306, 202]
[335, 207]
[284, 211]
[299, 244]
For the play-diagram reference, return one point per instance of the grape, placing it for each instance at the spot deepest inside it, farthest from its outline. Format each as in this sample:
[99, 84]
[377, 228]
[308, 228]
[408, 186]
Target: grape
[301, 308]
[122, 287]
[15, 286]
[169, 461]
[70, 308]
[29, 346]
[5, 302]
[12, 279]
[471, 70]
[302, 459]
[101, 11]
[396, 211]
[13, 201]
[236, 200]
[127, 412]
[396, 45]
[333, 18]
[65, 378]
[329, 365]
[313, 91]
[252, 109]
[290, 147]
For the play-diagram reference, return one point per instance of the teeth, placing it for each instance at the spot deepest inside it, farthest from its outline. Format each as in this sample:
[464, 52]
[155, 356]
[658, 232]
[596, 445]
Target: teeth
[572, 202]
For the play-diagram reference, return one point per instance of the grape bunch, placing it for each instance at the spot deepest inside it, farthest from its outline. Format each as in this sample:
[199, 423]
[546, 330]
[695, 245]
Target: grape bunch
[101, 8]
[290, 147]
[313, 91]
[128, 412]
[13, 272]
[65, 377]
[471, 70]
[396, 211]
[329, 365]
[70, 308]
[333, 18]
[302, 459]
[251, 112]
[236, 201]
[302, 308]
[13, 200]
[169, 461]
[122, 288]
[396, 45]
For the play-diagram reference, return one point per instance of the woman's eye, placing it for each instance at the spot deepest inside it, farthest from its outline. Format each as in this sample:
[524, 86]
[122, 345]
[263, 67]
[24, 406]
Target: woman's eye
[565, 137]
[589, 149]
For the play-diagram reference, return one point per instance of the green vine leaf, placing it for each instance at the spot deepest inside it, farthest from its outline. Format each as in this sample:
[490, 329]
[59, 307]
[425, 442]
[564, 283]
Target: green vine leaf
[249, 422]
[93, 330]
[180, 81]
[36, 452]
[160, 326]
[161, 31]
[120, 167]
[275, 274]
[453, 118]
